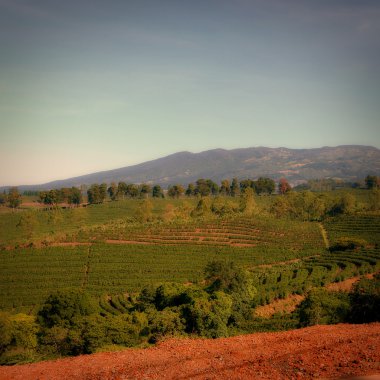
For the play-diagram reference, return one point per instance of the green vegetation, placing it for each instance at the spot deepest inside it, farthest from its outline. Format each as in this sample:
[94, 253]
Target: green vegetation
[322, 307]
[365, 301]
[126, 272]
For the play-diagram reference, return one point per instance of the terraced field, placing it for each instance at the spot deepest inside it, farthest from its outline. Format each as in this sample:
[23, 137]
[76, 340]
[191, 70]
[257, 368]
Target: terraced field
[163, 252]
[284, 257]
[236, 232]
[279, 281]
[365, 227]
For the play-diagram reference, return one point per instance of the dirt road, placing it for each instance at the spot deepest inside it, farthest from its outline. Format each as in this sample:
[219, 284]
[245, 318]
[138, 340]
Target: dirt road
[315, 352]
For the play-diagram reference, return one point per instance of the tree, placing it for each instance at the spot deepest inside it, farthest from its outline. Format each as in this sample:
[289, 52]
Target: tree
[227, 277]
[157, 192]
[93, 194]
[64, 194]
[144, 211]
[5, 331]
[165, 322]
[3, 198]
[145, 189]
[246, 183]
[221, 206]
[62, 307]
[265, 185]
[344, 205]
[190, 190]
[372, 182]
[365, 301]
[214, 188]
[225, 187]
[284, 186]
[322, 307]
[374, 200]
[202, 187]
[112, 191]
[97, 193]
[14, 198]
[234, 189]
[303, 205]
[75, 196]
[132, 190]
[102, 192]
[175, 191]
[203, 208]
[247, 202]
[121, 189]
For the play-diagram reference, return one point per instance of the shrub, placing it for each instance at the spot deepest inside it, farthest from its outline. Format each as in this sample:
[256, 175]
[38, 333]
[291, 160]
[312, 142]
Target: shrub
[321, 307]
[208, 317]
[165, 323]
[365, 301]
[18, 338]
[5, 331]
[348, 243]
[169, 294]
[64, 306]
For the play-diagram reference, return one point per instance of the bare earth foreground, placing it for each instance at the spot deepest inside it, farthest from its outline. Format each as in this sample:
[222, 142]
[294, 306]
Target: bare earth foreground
[314, 352]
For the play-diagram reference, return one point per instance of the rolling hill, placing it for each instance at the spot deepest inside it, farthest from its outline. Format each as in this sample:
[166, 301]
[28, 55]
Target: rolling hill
[348, 162]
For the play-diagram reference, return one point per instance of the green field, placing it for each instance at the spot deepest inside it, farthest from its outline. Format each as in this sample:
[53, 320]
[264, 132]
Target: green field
[176, 250]
[133, 271]
[108, 268]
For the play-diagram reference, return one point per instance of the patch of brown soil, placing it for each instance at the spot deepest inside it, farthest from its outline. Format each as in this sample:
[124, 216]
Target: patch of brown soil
[347, 285]
[278, 263]
[69, 244]
[343, 286]
[32, 204]
[242, 245]
[292, 261]
[314, 352]
[111, 241]
[286, 305]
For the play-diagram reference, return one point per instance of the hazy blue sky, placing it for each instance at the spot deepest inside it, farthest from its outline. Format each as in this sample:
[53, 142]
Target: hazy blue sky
[96, 85]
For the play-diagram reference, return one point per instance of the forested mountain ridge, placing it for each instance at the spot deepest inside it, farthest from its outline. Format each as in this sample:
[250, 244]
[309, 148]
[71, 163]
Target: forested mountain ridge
[347, 162]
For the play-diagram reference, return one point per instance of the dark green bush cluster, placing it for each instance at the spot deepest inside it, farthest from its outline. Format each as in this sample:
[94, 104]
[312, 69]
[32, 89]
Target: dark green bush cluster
[322, 307]
[71, 323]
[348, 243]
[365, 301]
[362, 305]
[306, 205]
[18, 338]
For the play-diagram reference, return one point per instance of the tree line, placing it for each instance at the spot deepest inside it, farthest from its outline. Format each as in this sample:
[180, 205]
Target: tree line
[98, 193]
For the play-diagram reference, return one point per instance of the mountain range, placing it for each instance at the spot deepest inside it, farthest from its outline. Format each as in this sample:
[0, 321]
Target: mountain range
[346, 162]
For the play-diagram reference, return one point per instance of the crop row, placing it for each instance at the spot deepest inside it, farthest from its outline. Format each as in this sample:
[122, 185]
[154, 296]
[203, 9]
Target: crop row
[29, 275]
[365, 227]
[278, 282]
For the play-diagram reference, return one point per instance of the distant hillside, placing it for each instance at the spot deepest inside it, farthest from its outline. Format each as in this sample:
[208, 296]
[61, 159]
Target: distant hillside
[350, 162]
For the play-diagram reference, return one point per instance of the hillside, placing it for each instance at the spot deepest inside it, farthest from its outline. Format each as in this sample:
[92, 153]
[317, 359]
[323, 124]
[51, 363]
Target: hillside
[349, 162]
[313, 352]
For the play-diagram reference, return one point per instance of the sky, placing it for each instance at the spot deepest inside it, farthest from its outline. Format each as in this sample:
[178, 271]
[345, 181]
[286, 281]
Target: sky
[96, 85]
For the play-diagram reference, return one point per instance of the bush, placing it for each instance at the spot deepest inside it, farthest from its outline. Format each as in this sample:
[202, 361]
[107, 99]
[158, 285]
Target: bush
[321, 307]
[348, 243]
[208, 317]
[165, 323]
[64, 306]
[365, 301]
[5, 331]
[18, 338]
[169, 294]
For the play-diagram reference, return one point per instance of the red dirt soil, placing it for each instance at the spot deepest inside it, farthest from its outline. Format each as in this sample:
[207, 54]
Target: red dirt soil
[315, 352]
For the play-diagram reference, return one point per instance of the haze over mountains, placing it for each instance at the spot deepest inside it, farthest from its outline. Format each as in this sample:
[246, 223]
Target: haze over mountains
[349, 163]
